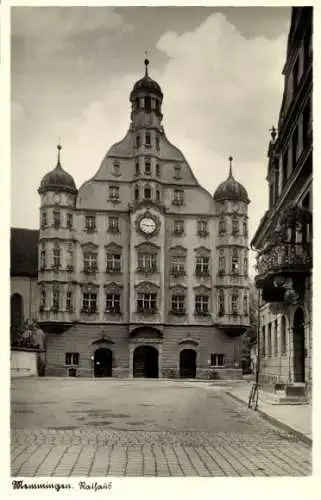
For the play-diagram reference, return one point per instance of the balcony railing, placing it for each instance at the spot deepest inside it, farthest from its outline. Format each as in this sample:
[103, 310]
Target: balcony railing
[285, 257]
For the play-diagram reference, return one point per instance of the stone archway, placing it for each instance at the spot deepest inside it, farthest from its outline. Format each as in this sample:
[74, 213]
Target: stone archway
[145, 362]
[187, 363]
[103, 362]
[299, 346]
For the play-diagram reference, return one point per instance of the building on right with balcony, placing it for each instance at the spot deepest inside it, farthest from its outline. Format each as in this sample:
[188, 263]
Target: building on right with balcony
[283, 239]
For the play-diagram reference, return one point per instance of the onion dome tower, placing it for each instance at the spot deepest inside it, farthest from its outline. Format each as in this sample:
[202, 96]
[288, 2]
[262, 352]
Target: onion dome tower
[56, 245]
[232, 251]
[146, 99]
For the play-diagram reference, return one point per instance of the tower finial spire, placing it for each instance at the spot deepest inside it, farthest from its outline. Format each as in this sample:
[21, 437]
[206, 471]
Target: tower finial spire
[146, 62]
[59, 148]
[230, 170]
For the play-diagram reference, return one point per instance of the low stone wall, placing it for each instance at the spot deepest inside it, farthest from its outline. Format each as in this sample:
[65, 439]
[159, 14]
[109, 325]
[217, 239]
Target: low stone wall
[24, 362]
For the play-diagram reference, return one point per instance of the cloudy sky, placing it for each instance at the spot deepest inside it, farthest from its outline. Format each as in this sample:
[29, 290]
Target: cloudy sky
[220, 70]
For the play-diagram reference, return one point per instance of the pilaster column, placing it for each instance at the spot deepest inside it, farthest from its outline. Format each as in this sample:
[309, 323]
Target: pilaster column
[131, 360]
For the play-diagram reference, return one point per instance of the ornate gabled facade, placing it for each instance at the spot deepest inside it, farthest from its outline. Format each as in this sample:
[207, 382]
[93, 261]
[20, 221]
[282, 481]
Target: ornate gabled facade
[284, 236]
[144, 257]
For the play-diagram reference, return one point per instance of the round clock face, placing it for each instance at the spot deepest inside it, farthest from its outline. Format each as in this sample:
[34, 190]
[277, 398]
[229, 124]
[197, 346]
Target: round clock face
[147, 225]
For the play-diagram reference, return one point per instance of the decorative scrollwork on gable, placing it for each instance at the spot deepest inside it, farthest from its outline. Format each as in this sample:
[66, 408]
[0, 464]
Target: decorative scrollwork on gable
[147, 287]
[89, 287]
[147, 247]
[202, 250]
[202, 289]
[89, 246]
[113, 287]
[113, 247]
[178, 250]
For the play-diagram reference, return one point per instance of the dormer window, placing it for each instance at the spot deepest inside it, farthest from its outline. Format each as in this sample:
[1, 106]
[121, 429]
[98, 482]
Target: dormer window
[221, 226]
[178, 197]
[202, 229]
[147, 193]
[245, 229]
[157, 109]
[69, 221]
[148, 167]
[147, 140]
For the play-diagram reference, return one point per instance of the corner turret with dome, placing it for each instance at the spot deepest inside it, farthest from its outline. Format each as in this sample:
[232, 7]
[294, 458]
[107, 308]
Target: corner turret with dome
[58, 179]
[231, 189]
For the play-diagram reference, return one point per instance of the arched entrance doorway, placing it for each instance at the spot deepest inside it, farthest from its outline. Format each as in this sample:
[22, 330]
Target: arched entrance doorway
[103, 362]
[298, 346]
[187, 363]
[145, 362]
[16, 306]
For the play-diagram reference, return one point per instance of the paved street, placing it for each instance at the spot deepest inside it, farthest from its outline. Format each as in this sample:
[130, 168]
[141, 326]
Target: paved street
[109, 427]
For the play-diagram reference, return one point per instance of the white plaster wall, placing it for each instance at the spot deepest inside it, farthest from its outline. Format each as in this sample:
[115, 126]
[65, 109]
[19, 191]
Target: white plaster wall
[23, 363]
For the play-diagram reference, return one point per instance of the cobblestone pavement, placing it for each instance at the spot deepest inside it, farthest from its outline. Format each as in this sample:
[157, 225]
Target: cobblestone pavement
[84, 427]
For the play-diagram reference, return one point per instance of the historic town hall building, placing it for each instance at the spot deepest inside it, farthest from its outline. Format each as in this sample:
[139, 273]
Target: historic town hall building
[141, 271]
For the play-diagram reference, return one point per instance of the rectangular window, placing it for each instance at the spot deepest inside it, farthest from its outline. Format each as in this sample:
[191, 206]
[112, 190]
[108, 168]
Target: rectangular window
[157, 170]
[114, 193]
[69, 221]
[42, 302]
[178, 263]
[89, 302]
[148, 167]
[217, 360]
[56, 257]
[269, 340]
[147, 140]
[55, 299]
[113, 262]
[113, 224]
[235, 226]
[177, 172]
[221, 226]
[202, 265]
[178, 197]
[148, 104]
[137, 167]
[146, 302]
[90, 262]
[178, 227]
[202, 228]
[235, 303]
[69, 301]
[137, 141]
[178, 303]
[43, 259]
[221, 264]
[43, 222]
[221, 302]
[147, 261]
[113, 302]
[245, 304]
[157, 195]
[90, 223]
[157, 141]
[201, 304]
[72, 358]
[116, 168]
[56, 218]
[235, 261]
[70, 259]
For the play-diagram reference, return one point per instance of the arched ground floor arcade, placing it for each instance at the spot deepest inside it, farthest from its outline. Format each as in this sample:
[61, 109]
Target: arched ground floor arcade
[116, 350]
